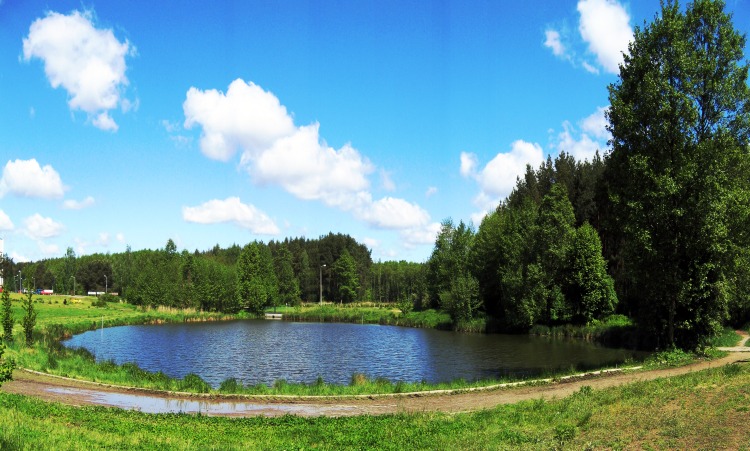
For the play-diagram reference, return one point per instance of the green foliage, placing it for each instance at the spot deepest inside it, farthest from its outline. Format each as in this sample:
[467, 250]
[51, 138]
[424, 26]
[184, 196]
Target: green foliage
[6, 366]
[289, 290]
[727, 337]
[679, 118]
[29, 318]
[257, 286]
[462, 300]
[451, 285]
[394, 281]
[670, 358]
[7, 316]
[590, 289]
[347, 280]
[405, 304]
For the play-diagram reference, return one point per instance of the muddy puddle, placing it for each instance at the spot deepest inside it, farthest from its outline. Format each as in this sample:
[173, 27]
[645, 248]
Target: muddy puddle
[154, 404]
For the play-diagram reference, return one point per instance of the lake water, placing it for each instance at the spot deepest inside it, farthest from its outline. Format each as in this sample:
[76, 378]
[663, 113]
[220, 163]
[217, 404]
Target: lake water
[261, 351]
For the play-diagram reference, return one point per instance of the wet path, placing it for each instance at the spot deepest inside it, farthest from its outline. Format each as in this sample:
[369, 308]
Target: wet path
[79, 393]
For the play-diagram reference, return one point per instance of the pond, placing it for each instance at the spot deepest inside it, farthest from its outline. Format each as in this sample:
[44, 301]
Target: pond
[261, 351]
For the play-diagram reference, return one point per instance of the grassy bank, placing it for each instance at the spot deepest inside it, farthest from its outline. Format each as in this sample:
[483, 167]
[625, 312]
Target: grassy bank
[365, 314]
[707, 409]
[61, 317]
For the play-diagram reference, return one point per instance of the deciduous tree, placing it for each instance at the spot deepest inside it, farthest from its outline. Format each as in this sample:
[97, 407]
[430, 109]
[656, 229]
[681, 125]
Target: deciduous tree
[680, 124]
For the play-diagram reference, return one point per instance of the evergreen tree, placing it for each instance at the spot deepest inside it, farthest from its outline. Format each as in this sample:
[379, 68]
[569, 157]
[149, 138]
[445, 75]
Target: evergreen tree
[553, 242]
[289, 291]
[257, 287]
[29, 318]
[347, 279]
[7, 317]
[6, 366]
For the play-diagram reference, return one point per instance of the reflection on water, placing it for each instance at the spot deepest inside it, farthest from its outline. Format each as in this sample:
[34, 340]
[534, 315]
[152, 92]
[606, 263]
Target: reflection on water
[154, 404]
[258, 351]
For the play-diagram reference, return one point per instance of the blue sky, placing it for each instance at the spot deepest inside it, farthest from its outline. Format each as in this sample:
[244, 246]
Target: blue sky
[129, 123]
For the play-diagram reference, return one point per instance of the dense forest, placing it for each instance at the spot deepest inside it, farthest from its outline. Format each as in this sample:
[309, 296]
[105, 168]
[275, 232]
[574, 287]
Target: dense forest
[657, 228]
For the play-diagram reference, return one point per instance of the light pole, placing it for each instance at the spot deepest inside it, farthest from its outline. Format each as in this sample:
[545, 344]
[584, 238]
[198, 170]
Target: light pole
[105, 284]
[321, 285]
[20, 282]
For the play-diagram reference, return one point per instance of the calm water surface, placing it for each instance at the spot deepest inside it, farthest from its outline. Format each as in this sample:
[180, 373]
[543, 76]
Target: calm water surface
[260, 351]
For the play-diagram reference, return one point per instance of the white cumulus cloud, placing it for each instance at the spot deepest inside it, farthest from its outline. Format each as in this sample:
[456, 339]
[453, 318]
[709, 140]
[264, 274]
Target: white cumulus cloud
[38, 227]
[393, 213]
[5, 222]
[420, 235]
[246, 118]
[311, 170]
[274, 151]
[26, 178]
[583, 144]
[498, 178]
[596, 124]
[605, 26]
[88, 62]
[231, 210]
[72, 204]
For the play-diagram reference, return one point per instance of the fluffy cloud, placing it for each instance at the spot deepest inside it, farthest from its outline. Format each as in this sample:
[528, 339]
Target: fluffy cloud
[498, 178]
[38, 227]
[234, 211]
[246, 118]
[311, 170]
[5, 222]
[584, 144]
[26, 178]
[596, 124]
[420, 235]
[392, 213]
[71, 204]
[89, 63]
[605, 26]
[275, 151]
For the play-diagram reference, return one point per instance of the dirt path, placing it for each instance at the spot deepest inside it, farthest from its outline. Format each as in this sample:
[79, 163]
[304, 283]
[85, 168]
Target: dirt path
[74, 392]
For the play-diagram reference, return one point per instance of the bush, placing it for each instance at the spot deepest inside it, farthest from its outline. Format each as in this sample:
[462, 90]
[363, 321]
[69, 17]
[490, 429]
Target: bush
[193, 383]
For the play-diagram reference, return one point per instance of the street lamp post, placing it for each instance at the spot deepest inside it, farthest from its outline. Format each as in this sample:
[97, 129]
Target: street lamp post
[105, 284]
[20, 282]
[321, 285]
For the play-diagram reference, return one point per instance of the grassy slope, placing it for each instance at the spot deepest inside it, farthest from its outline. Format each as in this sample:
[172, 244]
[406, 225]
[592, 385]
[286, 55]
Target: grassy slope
[708, 409]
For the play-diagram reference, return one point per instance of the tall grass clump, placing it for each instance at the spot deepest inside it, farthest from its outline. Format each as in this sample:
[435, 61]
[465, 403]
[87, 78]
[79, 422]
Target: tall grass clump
[727, 337]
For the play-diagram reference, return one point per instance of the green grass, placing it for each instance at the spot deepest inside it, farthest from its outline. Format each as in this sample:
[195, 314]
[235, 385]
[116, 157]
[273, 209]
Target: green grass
[708, 409]
[346, 313]
[726, 338]
[615, 330]
[58, 320]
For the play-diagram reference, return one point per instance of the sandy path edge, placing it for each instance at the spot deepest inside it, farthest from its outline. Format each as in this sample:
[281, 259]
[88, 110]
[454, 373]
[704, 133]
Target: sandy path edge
[41, 385]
